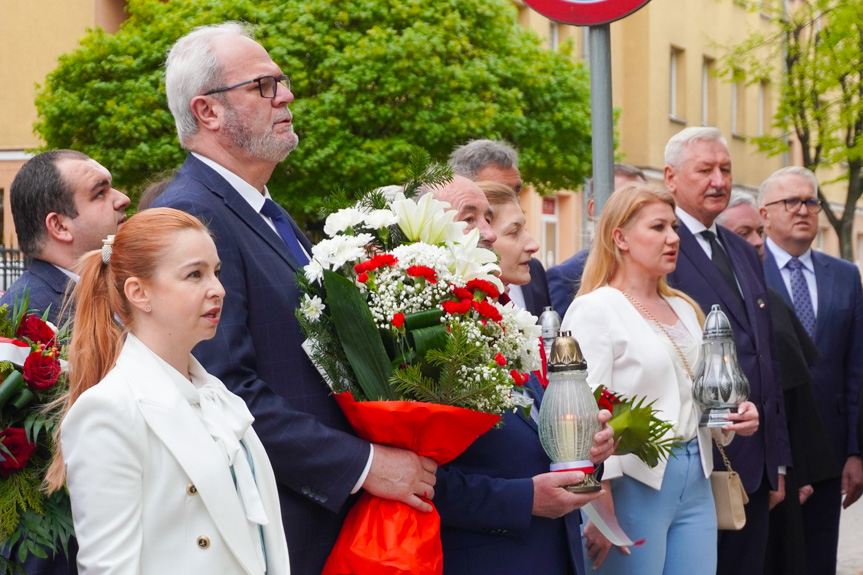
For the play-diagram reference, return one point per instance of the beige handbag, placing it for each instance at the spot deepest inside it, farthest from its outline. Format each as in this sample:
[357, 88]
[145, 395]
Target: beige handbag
[728, 492]
[728, 495]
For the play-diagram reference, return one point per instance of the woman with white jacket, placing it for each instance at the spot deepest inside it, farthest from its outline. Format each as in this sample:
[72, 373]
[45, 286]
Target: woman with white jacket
[165, 472]
[641, 337]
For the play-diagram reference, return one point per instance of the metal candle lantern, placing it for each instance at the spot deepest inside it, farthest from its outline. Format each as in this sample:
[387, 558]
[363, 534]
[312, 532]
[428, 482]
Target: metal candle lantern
[568, 414]
[720, 384]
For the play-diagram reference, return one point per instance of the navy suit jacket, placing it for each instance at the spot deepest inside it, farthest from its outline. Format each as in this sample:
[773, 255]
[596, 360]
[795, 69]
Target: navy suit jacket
[536, 290]
[485, 498]
[256, 352]
[564, 280]
[47, 286]
[698, 277]
[839, 337]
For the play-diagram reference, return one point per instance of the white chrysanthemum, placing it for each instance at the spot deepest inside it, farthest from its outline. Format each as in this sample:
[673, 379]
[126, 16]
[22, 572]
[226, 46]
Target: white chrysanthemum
[336, 252]
[342, 220]
[525, 321]
[428, 220]
[314, 271]
[377, 219]
[312, 307]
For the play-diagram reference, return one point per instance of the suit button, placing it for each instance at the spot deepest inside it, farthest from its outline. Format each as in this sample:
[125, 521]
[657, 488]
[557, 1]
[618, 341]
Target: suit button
[191, 489]
[323, 498]
[203, 542]
[307, 490]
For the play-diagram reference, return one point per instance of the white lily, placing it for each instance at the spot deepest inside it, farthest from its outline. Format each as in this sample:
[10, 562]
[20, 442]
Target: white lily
[429, 220]
[473, 262]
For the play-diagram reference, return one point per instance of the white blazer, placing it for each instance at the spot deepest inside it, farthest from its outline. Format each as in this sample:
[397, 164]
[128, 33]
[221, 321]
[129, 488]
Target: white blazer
[151, 492]
[624, 354]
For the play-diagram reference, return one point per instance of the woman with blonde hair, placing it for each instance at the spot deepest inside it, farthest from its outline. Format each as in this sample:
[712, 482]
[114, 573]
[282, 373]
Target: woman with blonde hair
[165, 472]
[641, 337]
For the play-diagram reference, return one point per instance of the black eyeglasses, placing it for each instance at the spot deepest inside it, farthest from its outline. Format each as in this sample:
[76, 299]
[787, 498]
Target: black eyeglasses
[793, 204]
[267, 85]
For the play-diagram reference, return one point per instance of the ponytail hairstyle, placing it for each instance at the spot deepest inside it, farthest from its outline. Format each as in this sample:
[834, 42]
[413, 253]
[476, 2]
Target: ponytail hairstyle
[99, 298]
[604, 259]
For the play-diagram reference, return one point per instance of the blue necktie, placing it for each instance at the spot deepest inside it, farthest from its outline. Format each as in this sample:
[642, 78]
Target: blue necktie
[800, 296]
[272, 210]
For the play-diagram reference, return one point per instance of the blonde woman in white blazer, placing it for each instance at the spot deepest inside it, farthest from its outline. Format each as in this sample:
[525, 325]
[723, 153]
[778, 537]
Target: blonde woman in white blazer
[165, 472]
[633, 330]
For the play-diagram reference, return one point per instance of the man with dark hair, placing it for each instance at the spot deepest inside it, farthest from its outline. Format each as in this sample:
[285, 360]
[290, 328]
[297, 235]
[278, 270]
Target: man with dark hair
[496, 161]
[63, 206]
[564, 279]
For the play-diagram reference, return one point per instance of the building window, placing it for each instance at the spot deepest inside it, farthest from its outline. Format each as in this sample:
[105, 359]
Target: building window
[738, 108]
[708, 94]
[553, 35]
[677, 85]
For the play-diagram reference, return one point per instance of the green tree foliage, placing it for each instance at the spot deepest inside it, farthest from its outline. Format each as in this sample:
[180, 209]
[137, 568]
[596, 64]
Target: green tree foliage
[820, 46]
[372, 78]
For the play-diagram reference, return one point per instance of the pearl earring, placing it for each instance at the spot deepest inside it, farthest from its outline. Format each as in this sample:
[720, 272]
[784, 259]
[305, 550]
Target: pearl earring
[148, 308]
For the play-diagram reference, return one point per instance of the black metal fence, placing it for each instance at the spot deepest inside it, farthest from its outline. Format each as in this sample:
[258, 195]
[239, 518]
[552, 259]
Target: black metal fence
[12, 265]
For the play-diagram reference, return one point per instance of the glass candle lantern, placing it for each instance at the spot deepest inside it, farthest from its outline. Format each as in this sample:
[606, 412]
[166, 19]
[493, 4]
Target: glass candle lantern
[719, 384]
[568, 414]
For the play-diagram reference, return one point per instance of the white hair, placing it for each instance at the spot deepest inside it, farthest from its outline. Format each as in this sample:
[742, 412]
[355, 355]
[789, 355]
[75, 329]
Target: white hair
[469, 159]
[737, 198]
[192, 68]
[798, 171]
[682, 139]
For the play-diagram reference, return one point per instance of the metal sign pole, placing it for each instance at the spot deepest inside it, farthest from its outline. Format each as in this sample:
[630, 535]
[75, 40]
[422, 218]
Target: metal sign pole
[602, 120]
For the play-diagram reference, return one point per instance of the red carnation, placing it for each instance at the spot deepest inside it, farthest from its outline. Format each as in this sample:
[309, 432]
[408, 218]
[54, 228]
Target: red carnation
[398, 320]
[41, 371]
[500, 360]
[36, 330]
[462, 293]
[363, 277]
[484, 286]
[456, 307]
[486, 309]
[376, 262]
[423, 271]
[607, 400]
[517, 377]
[15, 441]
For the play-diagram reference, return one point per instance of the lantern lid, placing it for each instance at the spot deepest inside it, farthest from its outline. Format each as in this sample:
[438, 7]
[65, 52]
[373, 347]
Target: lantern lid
[566, 354]
[716, 325]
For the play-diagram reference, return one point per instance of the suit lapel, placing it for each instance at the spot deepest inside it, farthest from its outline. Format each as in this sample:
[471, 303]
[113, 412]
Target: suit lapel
[692, 251]
[171, 418]
[241, 208]
[825, 282]
[774, 277]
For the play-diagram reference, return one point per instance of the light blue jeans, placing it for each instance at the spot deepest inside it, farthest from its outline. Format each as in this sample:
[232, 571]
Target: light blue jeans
[678, 522]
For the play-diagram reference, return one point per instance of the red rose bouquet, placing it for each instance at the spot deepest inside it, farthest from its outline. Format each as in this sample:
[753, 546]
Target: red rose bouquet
[31, 380]
[401, 312]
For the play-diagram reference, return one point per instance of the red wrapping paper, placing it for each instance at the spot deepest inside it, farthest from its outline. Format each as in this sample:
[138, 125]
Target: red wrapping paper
[384, 537]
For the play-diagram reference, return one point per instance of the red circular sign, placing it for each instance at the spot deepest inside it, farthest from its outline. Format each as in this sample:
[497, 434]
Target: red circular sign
[585, 12]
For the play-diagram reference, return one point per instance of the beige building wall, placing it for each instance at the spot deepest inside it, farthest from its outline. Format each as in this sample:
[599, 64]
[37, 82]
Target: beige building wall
[683, 40]
[33, 34]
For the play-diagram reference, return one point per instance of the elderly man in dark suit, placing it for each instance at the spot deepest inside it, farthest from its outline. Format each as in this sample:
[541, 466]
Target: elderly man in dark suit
[230, 103]
[497, 161]
[715, 266]
[810, 447]
[63, 206]
[827, 296]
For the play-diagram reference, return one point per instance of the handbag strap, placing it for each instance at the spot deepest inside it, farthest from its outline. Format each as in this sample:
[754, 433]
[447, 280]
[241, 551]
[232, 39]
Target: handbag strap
[683, 359]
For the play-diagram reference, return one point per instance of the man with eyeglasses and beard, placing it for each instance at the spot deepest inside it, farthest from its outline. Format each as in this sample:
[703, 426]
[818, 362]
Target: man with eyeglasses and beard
[230, 104]
[827, 296]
